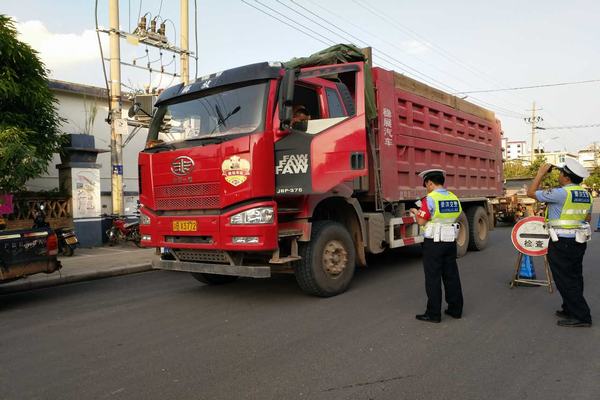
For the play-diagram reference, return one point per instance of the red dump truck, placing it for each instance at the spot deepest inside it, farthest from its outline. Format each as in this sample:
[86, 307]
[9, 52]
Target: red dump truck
[229, 187]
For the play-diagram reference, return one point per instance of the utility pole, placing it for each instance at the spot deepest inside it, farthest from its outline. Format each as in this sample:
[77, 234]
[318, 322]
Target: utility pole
[533, 120]
[116, 148]
[184, 40]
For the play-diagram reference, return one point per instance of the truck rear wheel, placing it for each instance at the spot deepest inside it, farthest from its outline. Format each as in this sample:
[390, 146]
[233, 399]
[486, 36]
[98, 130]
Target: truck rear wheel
[478, 228]
[328, 260]
[462, 240]
[213, 279]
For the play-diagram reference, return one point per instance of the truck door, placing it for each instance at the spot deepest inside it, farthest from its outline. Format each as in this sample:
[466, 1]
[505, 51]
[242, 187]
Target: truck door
[333, 148]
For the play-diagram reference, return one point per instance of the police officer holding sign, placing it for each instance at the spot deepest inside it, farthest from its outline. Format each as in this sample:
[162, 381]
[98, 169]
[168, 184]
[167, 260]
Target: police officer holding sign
[438, 214]
[568, 213]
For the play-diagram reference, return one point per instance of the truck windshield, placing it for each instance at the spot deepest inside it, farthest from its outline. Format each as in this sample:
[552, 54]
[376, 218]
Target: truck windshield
[229, 112]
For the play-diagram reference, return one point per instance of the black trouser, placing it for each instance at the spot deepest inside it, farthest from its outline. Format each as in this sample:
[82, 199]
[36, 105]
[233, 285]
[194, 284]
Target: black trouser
[439, 263]
[566, 262]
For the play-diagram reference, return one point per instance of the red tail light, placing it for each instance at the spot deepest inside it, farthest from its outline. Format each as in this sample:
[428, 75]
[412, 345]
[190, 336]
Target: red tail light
[52, 244]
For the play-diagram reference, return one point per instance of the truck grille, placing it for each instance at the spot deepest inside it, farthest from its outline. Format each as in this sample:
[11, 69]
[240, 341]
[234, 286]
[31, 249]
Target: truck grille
[188, 197]
[212, 256]
[198, 189]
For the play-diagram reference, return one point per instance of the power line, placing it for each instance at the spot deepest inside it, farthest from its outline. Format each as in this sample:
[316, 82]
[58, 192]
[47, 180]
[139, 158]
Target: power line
[427, 43]
[423, 76]
[102, 59]
[383, 40]
[531, 87]
[406, 66]
[568, 127]
[386, 57]
[286, 23]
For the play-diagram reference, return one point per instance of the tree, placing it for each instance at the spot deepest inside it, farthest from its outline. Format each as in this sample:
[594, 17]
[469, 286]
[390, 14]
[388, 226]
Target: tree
[515, 169]
[551, 179]
[29, 124]
[593, 180]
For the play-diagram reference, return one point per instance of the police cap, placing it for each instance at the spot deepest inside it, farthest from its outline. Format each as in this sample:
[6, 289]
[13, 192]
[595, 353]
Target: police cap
[574, 167]
[428, 174]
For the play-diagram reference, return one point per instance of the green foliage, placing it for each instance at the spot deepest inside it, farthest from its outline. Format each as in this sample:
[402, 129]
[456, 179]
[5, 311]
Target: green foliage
[515, 169]
[593, 180]
[29, 124]
[551, 179]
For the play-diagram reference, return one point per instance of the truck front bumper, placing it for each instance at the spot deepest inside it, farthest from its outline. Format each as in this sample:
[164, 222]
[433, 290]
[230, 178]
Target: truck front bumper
[220, 269]
[211, 232]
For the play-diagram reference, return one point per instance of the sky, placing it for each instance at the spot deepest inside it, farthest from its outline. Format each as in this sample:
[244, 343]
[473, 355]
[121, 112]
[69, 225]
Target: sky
[457, 46]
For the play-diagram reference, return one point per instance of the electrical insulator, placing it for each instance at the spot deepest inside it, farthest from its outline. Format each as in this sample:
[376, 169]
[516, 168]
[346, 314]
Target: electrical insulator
[162, 29]
[153, 26]
[142, 24]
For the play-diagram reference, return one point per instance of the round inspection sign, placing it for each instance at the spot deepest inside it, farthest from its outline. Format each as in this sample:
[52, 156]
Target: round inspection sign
[530, 236]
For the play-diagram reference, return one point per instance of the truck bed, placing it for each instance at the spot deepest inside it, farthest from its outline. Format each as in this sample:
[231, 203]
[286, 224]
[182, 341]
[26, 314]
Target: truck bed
[420, 127]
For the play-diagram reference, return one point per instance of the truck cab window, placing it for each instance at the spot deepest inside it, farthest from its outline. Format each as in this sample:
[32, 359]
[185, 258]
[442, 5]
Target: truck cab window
[309, 98]
[335, 106]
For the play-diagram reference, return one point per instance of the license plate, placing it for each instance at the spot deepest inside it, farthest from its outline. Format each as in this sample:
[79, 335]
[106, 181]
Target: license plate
[71, 240]
[185, 226]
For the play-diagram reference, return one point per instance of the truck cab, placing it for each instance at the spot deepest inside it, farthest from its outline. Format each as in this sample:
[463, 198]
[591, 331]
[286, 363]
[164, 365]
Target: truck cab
[225, 178]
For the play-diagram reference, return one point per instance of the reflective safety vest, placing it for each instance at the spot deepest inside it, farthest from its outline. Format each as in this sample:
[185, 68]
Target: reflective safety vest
[575, 209]
[447, 209]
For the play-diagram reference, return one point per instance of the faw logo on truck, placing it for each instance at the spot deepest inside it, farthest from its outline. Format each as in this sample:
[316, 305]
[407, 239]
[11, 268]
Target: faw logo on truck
[292, 164]
[182, 165]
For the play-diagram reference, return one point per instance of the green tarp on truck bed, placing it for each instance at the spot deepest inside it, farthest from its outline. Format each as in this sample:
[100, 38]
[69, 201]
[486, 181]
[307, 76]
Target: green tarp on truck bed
[339, 54]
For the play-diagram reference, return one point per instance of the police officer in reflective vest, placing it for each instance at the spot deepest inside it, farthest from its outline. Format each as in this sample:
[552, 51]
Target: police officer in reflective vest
[568, 213]
[438, 214]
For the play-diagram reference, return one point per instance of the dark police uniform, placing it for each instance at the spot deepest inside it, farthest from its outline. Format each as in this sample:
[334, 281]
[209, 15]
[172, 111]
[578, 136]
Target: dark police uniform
[441, 209]
[568, 208]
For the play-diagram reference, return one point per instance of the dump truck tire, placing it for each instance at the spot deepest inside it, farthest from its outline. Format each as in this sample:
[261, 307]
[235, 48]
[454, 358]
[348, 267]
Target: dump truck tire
[478, 228]
[462, 241]
[328, 260]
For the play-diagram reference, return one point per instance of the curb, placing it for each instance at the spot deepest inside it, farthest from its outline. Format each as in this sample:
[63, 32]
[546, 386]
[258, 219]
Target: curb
[44, 282]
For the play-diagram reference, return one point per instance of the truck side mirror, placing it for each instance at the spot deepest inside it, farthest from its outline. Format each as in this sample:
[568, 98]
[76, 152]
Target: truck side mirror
[286, 99]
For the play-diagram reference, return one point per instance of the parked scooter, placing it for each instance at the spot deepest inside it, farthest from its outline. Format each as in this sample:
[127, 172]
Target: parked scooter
[39, 217]
[120, 230]
[67, 240]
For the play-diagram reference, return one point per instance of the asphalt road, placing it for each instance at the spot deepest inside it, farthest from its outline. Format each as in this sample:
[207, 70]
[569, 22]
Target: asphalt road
[162, 335]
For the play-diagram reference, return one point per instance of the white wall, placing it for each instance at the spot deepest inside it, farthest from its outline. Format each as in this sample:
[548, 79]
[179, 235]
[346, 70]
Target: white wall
[72, 107]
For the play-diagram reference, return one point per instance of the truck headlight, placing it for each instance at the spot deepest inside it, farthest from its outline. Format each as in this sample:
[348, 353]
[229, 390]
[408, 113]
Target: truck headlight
[259, 215]
[144, 219]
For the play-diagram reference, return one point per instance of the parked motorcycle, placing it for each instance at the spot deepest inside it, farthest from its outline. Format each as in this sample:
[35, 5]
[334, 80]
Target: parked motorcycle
[39, 217]
[120, 230]
[67, 239]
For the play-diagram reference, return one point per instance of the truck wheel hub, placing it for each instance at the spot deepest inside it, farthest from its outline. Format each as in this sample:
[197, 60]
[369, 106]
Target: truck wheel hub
[335, 257]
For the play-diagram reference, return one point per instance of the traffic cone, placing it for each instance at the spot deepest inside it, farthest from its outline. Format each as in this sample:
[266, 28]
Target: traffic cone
[526, 270]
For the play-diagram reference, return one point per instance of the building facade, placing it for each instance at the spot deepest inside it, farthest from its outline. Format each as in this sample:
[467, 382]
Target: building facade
[514, 150]
[589, 156]
[84, 109]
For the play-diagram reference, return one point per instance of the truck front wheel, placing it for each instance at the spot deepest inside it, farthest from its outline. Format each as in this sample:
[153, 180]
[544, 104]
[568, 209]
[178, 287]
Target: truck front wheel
[213, 279]
[328, 260]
